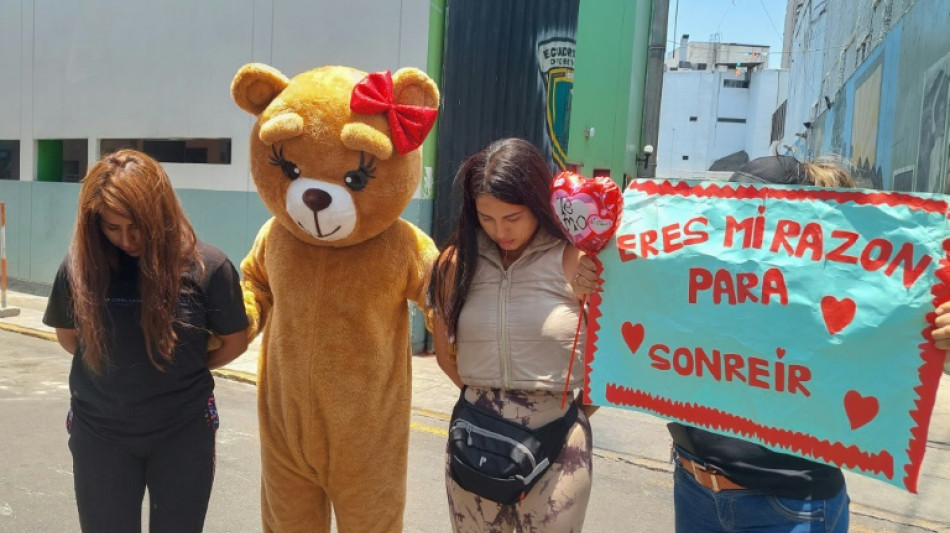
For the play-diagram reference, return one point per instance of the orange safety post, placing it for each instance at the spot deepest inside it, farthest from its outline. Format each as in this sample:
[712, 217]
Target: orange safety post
[4, 310]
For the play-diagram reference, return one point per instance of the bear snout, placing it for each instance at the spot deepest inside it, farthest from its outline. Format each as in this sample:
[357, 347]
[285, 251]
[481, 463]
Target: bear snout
[317, 199]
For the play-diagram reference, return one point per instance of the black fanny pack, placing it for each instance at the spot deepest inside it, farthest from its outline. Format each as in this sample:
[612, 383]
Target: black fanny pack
[498, 459]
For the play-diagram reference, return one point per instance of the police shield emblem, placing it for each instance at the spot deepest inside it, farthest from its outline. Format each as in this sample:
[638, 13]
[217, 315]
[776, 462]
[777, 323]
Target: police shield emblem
[556, 65]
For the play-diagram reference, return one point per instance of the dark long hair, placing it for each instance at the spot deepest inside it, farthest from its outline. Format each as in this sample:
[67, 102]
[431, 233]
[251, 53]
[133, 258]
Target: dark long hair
[135, 186]
[511, 170]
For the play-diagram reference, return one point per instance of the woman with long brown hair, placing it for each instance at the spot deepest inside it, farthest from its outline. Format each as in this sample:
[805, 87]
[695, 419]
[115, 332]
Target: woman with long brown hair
[504, 320]
[136, 301]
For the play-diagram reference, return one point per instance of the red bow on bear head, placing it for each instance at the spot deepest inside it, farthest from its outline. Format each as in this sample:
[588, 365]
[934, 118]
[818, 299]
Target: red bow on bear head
[409, 124]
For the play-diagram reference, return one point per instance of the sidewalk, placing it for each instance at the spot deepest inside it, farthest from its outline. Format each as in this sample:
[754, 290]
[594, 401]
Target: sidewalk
[623, 435]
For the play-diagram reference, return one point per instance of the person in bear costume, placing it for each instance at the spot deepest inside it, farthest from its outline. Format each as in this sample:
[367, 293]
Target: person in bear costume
[335, 156]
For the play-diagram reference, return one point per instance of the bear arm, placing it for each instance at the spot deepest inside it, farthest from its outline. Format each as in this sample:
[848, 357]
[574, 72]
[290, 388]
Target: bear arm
[420, 266]
[258, 298]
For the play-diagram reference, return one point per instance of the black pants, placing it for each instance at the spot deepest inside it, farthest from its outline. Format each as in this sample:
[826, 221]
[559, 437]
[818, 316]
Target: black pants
[111, 478]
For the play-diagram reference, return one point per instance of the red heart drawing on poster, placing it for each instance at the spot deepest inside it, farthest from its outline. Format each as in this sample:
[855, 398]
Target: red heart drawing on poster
[837, 313]
[861, 409]
[632, 335]
[588, 210]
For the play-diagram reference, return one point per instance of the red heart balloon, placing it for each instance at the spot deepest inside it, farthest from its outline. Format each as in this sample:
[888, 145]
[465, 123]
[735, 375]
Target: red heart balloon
[588, 210]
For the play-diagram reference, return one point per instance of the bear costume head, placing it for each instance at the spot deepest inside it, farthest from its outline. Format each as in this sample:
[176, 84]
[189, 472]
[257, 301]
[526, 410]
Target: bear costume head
[334, 153]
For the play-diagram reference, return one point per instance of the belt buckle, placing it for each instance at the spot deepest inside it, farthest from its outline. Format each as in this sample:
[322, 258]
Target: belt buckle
[711, 473]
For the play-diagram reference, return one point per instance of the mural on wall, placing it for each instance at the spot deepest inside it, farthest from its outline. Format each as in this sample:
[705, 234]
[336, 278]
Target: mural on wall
[556, 66]
[903, 179]
[891, 118]
[816, 136]
[864, 125]
[932, 148]
[838, 146]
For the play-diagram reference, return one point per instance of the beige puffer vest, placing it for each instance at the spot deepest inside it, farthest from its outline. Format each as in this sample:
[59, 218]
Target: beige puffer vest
[517, 327]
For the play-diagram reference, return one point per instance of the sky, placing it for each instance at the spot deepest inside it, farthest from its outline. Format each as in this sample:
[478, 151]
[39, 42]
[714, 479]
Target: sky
[738, 21]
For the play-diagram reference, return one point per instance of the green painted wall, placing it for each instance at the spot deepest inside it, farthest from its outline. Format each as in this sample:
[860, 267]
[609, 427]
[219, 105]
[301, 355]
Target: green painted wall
[609, 75]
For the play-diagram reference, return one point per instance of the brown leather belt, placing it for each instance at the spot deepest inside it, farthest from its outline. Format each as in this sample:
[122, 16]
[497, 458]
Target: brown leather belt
[709, 478]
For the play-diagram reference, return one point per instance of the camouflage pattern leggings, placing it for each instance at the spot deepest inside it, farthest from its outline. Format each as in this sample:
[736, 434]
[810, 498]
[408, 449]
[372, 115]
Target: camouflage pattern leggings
[558, 502]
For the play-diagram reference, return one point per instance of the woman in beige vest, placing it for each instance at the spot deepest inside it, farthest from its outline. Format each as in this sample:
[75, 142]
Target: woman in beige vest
[504, 321]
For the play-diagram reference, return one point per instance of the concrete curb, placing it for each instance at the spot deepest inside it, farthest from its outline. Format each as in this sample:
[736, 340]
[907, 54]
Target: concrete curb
[235, 375]
[28, 331]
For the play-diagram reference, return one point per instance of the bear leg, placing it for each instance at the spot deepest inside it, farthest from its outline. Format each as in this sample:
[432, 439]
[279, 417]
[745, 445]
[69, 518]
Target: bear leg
[291, 502]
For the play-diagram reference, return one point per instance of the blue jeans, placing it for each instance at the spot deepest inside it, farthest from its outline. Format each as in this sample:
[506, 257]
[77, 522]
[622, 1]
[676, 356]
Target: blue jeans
[700, 510]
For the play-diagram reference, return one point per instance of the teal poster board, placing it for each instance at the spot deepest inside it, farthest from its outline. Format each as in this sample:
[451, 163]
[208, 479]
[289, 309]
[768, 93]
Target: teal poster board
[796, 318]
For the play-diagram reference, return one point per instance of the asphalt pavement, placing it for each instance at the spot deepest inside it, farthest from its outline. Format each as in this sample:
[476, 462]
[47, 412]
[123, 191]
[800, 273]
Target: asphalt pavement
[620, 435]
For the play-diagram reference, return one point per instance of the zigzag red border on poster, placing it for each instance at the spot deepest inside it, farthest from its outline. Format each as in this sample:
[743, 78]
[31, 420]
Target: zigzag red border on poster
[700, 416]
[929, 371]
[745, 192]
[593, 326]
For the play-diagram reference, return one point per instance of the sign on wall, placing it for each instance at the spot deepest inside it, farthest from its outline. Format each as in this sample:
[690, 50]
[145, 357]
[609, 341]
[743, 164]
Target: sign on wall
[556, 65]
[794, 318]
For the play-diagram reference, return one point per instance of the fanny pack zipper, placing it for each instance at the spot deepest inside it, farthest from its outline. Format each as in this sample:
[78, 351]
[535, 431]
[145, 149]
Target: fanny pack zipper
[471, 428]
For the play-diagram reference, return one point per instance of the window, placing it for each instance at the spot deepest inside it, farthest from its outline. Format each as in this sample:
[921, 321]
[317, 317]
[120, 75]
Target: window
[735, 84]
[685, 158]
[201, 151]
[701, 66]
[61, 159]
[693, 119]
[731, 120]
[9, 160]
[778, 122]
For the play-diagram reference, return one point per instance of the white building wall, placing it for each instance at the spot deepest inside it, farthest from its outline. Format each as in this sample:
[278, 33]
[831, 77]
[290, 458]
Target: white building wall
[733, 104]
[767, 91]
[141, 69]
[702, 94]
[733, 101]
[685, 94]
[10, 52]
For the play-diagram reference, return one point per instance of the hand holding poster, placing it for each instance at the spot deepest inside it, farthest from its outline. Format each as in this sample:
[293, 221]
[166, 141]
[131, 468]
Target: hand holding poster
[795, 318]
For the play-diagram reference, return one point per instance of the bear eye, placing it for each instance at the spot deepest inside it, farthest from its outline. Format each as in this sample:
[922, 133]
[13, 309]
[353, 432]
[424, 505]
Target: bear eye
[358, 179]
[289, 168]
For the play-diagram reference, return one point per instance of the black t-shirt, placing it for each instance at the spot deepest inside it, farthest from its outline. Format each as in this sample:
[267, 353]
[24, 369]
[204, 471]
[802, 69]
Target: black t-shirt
[759, 468]
[131, 398]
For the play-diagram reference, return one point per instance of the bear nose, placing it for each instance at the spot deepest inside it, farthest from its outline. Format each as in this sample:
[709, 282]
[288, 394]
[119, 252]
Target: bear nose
[316, 199]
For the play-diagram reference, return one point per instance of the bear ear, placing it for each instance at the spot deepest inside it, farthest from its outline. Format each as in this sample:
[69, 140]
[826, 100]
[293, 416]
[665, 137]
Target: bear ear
[255, 85]
[411, 86]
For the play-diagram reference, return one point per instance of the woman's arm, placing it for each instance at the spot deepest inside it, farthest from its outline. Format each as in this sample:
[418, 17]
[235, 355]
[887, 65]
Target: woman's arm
[444, 353]
[68, 339]
[445, 267]
[231, 347]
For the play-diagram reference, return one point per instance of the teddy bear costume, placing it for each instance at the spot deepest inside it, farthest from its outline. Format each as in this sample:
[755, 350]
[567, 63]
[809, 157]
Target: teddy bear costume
[335, 156]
